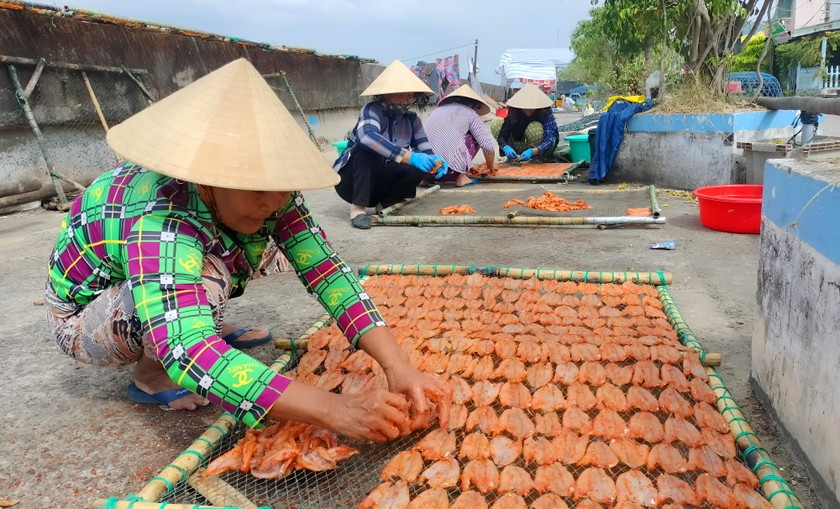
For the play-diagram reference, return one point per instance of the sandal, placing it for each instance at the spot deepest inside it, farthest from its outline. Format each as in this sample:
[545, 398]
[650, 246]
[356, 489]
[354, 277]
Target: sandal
[362, 222]
[233, 339]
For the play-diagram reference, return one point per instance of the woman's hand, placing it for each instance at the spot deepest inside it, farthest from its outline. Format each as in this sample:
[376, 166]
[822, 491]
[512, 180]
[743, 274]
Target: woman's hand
[427, 396]
[527, 155]
[424, 392]
[375, 415]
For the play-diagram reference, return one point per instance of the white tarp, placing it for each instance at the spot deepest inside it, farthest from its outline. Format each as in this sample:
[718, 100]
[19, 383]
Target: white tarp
[532, 65]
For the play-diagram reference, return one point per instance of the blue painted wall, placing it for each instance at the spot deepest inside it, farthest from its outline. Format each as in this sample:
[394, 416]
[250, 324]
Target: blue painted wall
[807, 205]
[721, 122]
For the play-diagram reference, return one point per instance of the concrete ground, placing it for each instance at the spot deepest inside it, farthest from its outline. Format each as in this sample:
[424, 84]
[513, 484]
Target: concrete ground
[71, 436]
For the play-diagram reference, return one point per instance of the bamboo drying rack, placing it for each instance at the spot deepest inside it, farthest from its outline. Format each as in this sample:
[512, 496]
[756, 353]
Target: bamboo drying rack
[184, 467]
[385, 217]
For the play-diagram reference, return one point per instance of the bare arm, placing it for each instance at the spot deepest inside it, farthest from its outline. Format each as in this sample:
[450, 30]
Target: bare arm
[374, 415]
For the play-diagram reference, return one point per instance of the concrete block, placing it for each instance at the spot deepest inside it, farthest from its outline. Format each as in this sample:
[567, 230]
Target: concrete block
[691, 151]
[795, 347]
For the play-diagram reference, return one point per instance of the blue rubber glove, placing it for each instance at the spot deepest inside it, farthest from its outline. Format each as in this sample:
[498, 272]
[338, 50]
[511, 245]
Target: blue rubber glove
[509, 152]
[444, 167]
[527, 155]
[421, 161]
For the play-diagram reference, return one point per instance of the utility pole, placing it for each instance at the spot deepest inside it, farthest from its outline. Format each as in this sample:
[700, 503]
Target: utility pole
[475, 61]
[824, 45]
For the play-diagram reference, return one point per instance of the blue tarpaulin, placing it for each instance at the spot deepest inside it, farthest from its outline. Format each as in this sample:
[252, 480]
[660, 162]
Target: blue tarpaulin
[609, 135]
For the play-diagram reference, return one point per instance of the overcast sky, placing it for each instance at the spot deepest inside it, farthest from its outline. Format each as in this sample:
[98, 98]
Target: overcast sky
[383, 30]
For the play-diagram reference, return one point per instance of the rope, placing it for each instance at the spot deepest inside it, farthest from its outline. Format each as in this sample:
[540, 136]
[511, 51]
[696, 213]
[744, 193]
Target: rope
[300, 110]
[168, 484]
[206, 441]
[182, 470]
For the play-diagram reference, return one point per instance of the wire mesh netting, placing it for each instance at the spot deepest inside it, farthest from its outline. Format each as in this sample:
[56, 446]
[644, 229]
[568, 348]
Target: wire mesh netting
[564, 395]
[490, 200]
[770, 86]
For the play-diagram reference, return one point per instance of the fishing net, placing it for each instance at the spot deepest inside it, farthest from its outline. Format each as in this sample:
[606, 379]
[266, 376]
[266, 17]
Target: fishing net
[576, 367]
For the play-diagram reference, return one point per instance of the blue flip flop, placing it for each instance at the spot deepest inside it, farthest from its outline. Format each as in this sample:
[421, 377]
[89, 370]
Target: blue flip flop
[472, 183]
[231, 339]
[137, 395]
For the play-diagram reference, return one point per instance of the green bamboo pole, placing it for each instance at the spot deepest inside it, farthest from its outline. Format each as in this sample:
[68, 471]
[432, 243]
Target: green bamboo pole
[654, 204]
[292, 344]
[512, 221]
[775, 488]
[218, 492]
[397, 206]
[589, 276]
[114, 503]
[30, 117]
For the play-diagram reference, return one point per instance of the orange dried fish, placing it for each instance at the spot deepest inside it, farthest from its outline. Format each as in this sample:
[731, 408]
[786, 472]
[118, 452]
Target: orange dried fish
[595, 484]
[631, 453]
[504, 450]
[406, 465]
[482, 474]
[515, 479]
[635, 487]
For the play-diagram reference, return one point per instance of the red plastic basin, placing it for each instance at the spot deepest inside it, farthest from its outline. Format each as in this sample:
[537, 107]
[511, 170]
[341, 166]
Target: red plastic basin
[731, 208]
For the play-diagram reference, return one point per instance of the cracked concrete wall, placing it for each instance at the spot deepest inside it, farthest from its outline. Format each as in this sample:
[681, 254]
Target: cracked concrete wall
[796, 341]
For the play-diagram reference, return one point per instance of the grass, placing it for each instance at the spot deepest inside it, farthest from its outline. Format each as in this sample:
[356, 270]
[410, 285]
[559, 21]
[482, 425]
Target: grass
[694, 96]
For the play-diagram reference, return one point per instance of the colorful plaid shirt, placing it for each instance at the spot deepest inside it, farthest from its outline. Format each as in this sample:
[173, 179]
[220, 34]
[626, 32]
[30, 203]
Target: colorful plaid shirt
[387, 132]
[152, 232]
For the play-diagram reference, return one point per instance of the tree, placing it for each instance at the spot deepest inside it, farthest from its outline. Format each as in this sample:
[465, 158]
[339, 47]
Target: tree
[620, 64]
[805, 51]
[747, 59]
[706, 33]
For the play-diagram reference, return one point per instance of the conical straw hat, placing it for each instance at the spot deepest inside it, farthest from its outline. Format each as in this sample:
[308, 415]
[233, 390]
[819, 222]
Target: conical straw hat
[530, 97]
[227, 129]
[397, 79]
[469, 93]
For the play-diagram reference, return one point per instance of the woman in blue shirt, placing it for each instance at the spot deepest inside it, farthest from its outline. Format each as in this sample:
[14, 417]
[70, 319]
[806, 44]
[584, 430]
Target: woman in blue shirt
[388, 154]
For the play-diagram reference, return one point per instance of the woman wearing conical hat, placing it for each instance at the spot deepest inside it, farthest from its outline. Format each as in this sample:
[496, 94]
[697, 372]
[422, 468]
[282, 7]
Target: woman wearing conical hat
[387, 154]
[529, 130]
[149, 256]
[456, 132]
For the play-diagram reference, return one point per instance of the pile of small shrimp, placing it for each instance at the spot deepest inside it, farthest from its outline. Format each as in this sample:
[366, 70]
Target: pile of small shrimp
[549, 201]
[457, 209]
[281, 448]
